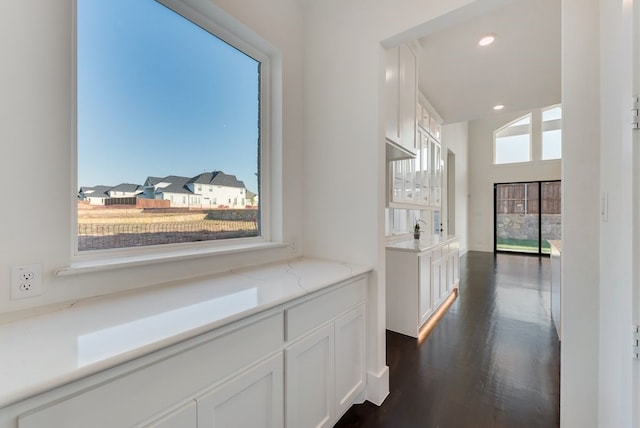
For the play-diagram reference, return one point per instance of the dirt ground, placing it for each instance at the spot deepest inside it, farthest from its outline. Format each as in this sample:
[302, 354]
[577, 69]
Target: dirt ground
[105, 227]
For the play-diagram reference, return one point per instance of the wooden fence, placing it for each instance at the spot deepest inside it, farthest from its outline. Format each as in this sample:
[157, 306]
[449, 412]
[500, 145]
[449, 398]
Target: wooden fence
[523, 198]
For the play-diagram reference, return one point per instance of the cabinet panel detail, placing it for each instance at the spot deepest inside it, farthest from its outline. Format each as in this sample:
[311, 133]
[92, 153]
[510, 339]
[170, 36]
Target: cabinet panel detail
[138, 396]
[350, 358]
[309, 384]
[417, 283]
[308, 315]
[252, 399]
[184, 417]
[426, 303]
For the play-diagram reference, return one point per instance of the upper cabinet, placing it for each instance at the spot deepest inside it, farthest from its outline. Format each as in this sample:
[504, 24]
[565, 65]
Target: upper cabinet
[401, 99]
[428, 120]
[412, 134]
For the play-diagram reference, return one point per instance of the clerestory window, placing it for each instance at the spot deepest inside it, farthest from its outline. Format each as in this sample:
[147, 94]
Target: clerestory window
[512, 142]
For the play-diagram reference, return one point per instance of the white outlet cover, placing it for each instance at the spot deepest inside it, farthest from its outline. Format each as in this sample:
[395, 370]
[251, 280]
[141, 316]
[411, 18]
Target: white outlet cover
[19, 282]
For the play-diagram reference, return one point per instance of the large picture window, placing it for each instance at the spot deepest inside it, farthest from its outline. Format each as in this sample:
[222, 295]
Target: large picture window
[169, 140]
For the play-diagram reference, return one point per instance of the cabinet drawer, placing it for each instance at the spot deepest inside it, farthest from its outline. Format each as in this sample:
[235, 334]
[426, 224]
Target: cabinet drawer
[306, 316]
[137, 396]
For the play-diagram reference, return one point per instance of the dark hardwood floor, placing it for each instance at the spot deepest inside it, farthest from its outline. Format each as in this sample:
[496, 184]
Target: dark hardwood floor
[492, 361]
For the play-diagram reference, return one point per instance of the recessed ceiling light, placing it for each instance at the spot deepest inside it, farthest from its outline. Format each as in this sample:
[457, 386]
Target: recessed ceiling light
[487, 40]
[498, 107]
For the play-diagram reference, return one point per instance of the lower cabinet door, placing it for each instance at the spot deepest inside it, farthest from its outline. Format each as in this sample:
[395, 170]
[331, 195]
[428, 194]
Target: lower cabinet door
[183, 417]
[253, 399]
[350, 358]
[424, 286]
[309, 386]
[435, 283]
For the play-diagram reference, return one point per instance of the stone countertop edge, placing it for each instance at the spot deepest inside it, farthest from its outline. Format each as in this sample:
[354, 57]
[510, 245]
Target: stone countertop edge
[63, 330]
[418, 245]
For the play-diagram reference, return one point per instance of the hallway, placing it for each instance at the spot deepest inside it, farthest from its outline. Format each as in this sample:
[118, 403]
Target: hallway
[492, 361]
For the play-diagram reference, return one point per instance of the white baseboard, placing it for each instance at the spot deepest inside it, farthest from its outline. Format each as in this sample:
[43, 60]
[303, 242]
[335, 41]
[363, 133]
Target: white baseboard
[378, 386]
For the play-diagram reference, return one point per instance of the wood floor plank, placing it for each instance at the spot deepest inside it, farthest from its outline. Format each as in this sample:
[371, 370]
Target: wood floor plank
[493, 360]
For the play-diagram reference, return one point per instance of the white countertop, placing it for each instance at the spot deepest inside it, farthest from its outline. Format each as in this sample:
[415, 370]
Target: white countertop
[46, 351]
[419, 245]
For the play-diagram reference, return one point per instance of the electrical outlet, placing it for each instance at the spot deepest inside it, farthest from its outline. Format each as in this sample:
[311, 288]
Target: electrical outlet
[26, 281]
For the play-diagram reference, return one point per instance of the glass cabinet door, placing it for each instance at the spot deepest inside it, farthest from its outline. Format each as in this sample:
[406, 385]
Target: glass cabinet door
[425, 161]
[409, 172]
[436, 173]
[397, 179]
[404, 181]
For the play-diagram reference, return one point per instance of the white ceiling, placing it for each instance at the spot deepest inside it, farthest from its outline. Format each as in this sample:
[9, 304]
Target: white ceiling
[520, 70]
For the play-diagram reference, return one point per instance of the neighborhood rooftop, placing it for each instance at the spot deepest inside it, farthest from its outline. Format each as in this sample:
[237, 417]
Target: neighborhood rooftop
[207, 189]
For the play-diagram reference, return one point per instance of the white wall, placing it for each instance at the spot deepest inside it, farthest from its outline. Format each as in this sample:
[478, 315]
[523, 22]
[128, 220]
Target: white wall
[580, 213]
[35, 83]
[344, 157]
[455, 137]
[616, 241]
[483, 174]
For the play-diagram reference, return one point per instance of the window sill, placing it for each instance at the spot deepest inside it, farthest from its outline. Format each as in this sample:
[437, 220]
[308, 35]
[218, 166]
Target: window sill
[527, 163]
[80, 267]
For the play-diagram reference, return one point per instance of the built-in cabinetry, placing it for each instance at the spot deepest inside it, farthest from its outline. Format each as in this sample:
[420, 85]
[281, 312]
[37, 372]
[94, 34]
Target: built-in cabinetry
[298, 365]
[419, 278]
[418, 181]
[413, 126]
[325, 368]
[401, 91]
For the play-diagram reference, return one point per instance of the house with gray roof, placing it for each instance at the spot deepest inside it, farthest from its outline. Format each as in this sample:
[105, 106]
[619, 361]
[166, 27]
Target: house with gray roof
[207, 190]
[95, 195]
[125, 190]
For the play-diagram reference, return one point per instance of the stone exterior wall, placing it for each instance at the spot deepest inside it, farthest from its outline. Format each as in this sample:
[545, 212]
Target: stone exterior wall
[525, 226]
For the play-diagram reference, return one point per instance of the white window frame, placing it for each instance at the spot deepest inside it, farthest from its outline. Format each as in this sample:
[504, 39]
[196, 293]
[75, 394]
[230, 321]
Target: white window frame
[513, 132]
[550, 125]
[227, 28]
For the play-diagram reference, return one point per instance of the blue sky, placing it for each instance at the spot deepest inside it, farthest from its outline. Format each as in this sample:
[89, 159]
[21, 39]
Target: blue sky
[159, 96]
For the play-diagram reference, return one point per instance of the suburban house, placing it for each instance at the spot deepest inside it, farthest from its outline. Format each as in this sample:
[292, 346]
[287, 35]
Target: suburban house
[207, 190]
[98, 195]
[125, 190]
[324, 200]
[95, 195]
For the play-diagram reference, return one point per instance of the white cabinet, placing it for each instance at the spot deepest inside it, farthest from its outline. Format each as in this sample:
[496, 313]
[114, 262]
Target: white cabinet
[418, 281]
[436, 276]
[325, 369]
[310, 380]
[453, 265]
[350, 358]
[232, 376]
[401, 96]
[184, 416]
[424, 288]
[252, 399]
[137, 394]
